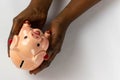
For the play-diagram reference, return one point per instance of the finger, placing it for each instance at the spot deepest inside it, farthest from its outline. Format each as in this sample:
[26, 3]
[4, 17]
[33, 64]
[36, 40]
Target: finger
[55, 44]
[17, 24]
[45, 64]
[54, 52]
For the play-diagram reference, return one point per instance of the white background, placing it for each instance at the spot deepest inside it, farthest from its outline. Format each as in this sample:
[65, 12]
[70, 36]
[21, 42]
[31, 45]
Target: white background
[91, 49]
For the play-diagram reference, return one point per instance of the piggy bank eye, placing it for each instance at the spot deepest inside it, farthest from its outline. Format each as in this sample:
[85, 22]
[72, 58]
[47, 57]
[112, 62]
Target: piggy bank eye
[25, 37]
[38, 44]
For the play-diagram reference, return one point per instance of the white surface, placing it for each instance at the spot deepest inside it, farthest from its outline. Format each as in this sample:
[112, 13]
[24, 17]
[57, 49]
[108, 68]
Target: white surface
[91, 49]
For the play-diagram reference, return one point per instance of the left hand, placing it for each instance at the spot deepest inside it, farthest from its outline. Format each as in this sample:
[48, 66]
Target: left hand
[36, 16]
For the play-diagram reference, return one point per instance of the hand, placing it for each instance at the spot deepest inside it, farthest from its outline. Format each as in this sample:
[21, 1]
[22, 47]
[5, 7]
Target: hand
[56, 39]
[37, 17]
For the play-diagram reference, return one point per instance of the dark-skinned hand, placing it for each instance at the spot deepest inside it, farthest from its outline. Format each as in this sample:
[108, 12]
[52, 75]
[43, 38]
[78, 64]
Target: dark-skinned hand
[56, 39]
[36, 15]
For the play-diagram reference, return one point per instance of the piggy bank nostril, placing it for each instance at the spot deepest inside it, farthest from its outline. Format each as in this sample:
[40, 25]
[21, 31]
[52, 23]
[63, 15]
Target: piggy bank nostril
[37, 32]
[34, 35]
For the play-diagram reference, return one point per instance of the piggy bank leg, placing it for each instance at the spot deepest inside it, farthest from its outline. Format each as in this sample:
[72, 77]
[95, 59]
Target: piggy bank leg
[47, 34]
[39, 58]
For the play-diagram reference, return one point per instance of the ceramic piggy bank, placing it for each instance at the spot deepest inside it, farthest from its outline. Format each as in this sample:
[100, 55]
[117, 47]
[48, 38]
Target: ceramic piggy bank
[28, 48]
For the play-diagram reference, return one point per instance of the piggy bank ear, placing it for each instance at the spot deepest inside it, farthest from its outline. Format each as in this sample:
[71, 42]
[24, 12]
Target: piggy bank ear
[47, 34]
[14, 42]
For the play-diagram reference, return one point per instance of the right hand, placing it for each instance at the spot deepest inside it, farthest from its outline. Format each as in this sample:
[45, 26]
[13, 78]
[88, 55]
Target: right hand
[35, 15]
[57, 35]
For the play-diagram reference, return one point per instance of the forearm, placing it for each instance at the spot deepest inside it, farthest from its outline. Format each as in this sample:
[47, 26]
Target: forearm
[74, 9]
[41, 4]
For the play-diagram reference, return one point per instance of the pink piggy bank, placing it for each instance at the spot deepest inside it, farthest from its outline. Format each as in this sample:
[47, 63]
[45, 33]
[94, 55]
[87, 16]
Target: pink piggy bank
[28, 48]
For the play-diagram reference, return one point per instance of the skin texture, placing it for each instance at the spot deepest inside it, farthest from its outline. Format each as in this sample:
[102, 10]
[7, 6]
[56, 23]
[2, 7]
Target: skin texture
[57, 27]
[36, 13]
[28, 48]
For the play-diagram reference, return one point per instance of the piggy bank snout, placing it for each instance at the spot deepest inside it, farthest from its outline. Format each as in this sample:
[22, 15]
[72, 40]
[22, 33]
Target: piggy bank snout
[35, 33]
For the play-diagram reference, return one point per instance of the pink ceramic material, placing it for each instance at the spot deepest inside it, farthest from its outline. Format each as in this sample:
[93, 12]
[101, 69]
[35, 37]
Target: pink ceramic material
[28, 48]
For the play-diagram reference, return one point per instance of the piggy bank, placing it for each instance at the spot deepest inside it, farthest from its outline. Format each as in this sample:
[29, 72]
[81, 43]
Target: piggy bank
[28, 48]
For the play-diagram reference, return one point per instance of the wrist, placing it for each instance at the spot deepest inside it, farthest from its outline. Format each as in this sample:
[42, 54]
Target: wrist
[60, 23]
[41, 4]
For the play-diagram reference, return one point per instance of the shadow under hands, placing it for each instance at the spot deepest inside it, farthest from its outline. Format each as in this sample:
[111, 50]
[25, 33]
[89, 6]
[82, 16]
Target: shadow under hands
[62, 66]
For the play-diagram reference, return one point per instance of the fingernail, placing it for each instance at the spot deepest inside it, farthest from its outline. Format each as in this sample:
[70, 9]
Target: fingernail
[9, 41]
[46, 57]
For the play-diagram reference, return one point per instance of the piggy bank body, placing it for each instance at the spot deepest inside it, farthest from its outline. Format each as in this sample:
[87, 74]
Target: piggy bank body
[29, 47]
